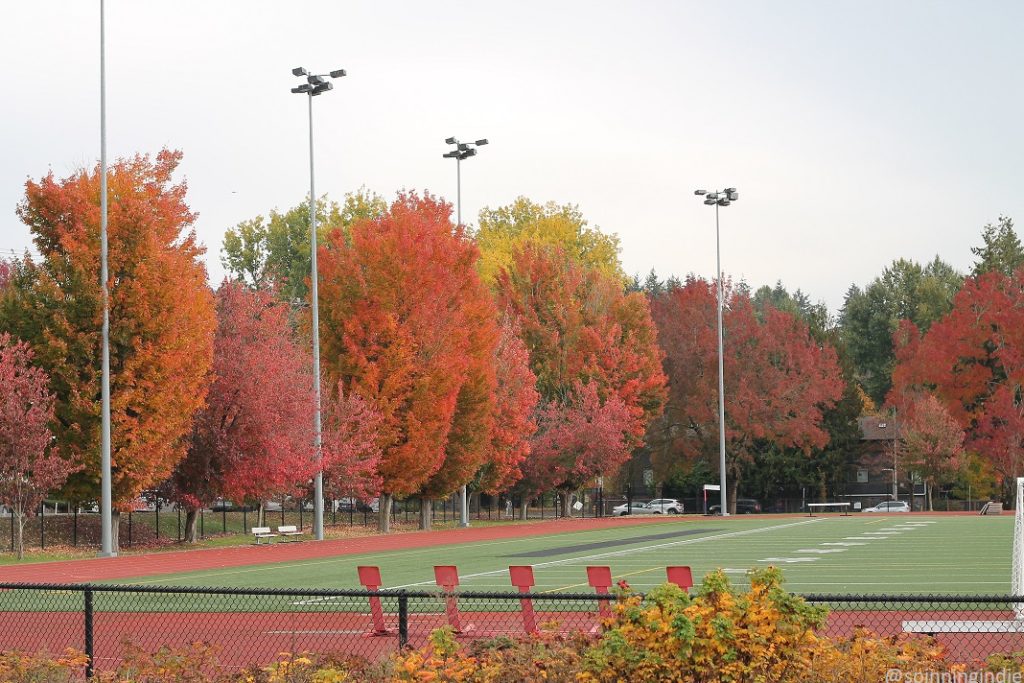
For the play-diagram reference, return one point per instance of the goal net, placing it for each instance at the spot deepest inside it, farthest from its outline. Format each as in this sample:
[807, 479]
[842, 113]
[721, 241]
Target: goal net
[1017, 577]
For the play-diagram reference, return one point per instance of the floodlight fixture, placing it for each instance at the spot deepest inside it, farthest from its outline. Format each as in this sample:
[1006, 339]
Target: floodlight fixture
[299, 71]
[315, 79]
[305, 87]
[450, 155]
[450, 141]
[481, 143]
[323, 87]
[339, 73]
[700, 192]
[709, 202]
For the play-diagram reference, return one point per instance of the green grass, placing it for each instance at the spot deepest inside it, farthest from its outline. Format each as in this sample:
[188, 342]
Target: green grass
[967, 555]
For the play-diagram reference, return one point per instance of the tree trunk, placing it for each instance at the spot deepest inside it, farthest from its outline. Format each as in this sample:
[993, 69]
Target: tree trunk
[19, 533]
[524, 507]
[734, 487]
[563, 499]
[384, 514]
[426, 514]
[115, 531]
[261, 514]
[192, 526]
[928, 488]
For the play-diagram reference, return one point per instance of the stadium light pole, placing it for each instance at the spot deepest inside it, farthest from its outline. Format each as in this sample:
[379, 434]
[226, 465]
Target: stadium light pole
[716, 199]
[106, 516]
[315, 84]
[463, 150]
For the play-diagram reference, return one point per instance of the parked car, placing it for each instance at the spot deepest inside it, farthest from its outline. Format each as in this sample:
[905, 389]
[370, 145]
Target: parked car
[890, 506]
[667, 506]
[744, 506]
[354, 504]
[627, 509]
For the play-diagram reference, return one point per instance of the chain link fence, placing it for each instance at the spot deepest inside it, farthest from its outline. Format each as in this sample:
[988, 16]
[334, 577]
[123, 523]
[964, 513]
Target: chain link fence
[254, 626]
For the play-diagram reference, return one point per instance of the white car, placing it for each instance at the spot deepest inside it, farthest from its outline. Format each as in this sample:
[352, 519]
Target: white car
[667, 506]
[626, 509]
[890, 506]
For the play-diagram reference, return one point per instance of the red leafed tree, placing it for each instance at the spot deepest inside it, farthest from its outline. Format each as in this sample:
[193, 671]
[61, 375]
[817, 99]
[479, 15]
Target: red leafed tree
[931, 442]
[351, 451]
[161, 319]
[577, 440]
[778, 380]
[973, 362]
[581, 329]
[515, 402]
[29, 468]
[253, 440]
[407, 326]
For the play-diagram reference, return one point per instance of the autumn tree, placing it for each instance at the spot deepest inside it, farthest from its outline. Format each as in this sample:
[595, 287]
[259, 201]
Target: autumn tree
[161, 319]
[973, 362]
[252, 441]
[274, 251]
[508, 229]
[406, 326]
[351, 451]
[583, 330]
[578, 438]
[778, 379]
[931, 442]
[29, 468]
[515, 402]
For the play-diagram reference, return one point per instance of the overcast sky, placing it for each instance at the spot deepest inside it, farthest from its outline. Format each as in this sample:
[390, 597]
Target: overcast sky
[856, 132]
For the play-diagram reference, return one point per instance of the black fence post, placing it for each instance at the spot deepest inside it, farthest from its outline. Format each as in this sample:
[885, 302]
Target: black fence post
[301, 505]
[157, 510]
[403, 619]
[245, 519]
[179, 523]
[224, 519]
[89, 670]
[12, 529]
[42, 526]
[202, 525]
[129, 528]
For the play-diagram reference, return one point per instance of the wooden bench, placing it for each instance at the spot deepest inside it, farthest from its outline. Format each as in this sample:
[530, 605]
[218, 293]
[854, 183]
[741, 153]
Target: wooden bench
[291, 531]
[261, 533]
[845, 507]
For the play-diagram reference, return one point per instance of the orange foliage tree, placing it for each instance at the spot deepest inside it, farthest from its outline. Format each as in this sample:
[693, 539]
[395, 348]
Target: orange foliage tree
[407, 326]
[161, 318]
[778, 379]
[582, 329]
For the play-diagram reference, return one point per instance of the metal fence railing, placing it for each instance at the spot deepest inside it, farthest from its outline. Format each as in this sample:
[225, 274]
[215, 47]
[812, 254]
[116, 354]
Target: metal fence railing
[69, 527]
[253, 626]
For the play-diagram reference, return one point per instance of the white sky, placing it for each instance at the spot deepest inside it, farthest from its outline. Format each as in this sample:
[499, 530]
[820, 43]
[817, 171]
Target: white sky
[856, 132]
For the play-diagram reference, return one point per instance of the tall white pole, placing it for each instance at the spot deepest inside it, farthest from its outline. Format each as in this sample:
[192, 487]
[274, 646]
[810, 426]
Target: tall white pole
[463, 493]
[721, 371]
[318, 483]
[106, 518]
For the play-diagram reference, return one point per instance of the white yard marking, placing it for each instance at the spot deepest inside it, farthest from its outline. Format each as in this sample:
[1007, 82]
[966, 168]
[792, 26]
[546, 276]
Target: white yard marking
[822, 551]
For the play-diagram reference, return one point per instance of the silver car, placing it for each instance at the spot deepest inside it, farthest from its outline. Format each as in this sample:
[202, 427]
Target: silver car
[890, 506]
[667, 506]
[637, 508]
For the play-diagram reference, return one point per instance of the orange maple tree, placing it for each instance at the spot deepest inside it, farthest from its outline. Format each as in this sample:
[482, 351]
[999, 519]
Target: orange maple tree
[583, 331]
[407, 326]
[161, 318]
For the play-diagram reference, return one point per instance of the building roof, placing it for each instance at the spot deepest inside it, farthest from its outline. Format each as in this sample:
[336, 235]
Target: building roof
[878, 428]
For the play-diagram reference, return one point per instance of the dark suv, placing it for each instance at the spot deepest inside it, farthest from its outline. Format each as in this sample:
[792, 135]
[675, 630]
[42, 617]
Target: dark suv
[744, 506]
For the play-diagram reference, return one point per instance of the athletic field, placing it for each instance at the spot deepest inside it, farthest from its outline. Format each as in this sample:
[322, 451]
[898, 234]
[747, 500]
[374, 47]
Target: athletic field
[857, 554]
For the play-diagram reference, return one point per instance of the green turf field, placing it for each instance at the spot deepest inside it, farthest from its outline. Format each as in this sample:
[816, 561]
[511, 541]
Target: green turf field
[832, 554]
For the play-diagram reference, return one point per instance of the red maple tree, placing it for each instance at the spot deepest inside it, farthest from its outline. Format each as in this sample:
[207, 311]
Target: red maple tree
[931, 441]
[29, 467]
[973, 361]
[351, 452]
[253, 440]
[778, 380]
